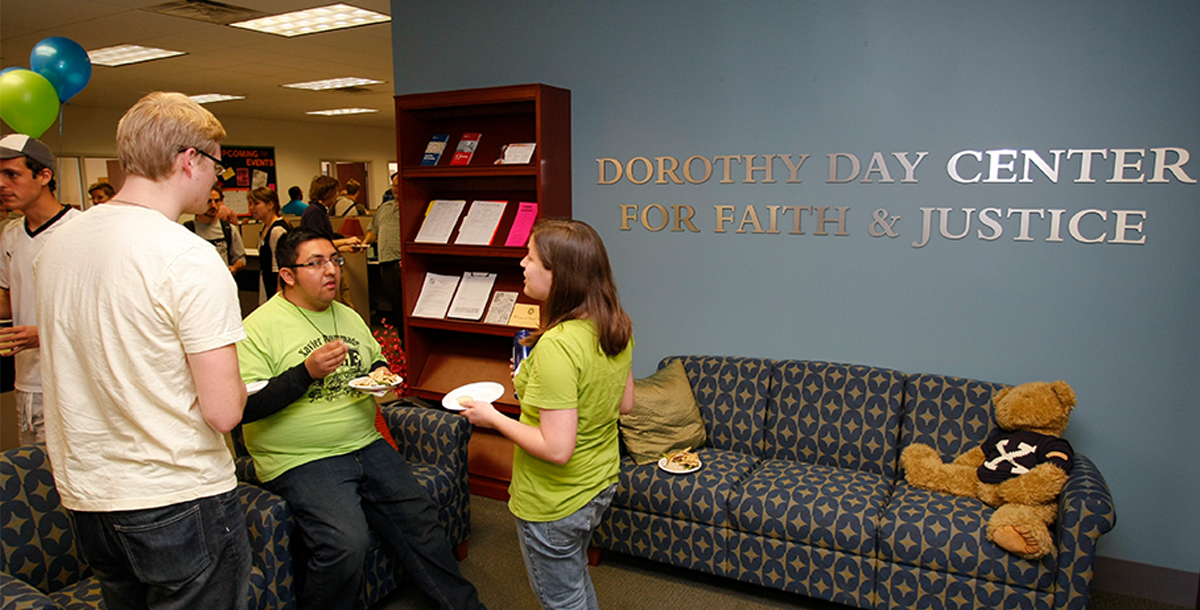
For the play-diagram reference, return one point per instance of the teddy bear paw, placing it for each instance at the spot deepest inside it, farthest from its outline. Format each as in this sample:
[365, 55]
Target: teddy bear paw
[1017, 539]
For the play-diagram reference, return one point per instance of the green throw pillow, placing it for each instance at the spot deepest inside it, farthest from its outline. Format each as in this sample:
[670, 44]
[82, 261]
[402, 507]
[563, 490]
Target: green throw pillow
[665, 416]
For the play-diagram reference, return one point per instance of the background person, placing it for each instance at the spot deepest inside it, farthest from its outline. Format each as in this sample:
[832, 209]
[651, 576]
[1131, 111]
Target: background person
[314, 442]
[139, 320]
[222, 234]
[101, 192]
[347, 203]
[385, 229]
[296, 206]
[572, 387]
[321, 194]
[264, 206]
[26, 185]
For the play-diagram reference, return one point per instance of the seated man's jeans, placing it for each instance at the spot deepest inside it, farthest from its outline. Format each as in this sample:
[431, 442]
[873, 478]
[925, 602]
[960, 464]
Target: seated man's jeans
[193, 554]
[335, 500]
[555, 555]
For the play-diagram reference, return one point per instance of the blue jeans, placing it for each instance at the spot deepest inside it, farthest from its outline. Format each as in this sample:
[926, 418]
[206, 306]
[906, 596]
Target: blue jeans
[555, 555]
[193, 554]
[335, 499]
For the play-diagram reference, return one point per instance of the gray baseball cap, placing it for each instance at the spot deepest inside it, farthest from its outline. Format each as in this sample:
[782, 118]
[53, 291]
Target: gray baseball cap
[20, 145]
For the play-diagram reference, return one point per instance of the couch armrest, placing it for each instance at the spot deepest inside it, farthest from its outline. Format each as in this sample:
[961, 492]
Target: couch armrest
[270, 526]
[16, 594]
[429, 436]
[1085, 512]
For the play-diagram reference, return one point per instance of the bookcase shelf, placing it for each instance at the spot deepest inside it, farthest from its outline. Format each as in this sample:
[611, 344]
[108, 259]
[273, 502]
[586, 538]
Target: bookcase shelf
[445, 354]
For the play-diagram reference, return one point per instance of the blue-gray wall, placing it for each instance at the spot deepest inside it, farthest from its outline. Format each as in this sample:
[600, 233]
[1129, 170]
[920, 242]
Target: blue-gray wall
[701, 78]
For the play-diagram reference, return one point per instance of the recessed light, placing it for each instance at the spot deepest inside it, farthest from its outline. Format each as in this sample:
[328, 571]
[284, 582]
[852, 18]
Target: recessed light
[128, 54]
[334, 83]
[313, 20]
[343, 111]
[208, 98]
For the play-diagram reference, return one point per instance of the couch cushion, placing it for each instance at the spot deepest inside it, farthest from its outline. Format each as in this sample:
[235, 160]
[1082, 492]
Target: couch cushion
[665, 416]
[948, 534]
[702, 496]
[831, 414]
[732, 394]
[819, 506]
[951, 415]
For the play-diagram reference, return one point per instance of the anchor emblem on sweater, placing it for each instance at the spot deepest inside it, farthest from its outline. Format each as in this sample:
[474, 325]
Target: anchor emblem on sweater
[1011, 457]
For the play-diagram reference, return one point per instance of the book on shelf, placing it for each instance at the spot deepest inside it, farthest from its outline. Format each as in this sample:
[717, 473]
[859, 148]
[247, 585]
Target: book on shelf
[466, 148]
[522, 224]
[472, 295]
[440, 219]
[433, 150]
[436, 293]
[479, 226]
[520, 153]
[526, 315]
[501, 308]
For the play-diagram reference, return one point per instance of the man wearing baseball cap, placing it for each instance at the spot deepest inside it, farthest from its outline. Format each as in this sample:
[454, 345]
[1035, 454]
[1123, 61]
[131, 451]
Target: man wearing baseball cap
[26, 185]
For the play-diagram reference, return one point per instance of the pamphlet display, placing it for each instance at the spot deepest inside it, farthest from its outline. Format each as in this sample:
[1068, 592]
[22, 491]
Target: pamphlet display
[435, 297]
[501, 308]
[517, 154]
[433, 150]
[466, 148]
[472, 296]
[526, 315]
[522, 225]
[479, 227]
[440, 219]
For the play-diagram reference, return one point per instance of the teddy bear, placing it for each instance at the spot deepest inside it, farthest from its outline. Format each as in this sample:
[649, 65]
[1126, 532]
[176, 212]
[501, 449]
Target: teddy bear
[1020, 469]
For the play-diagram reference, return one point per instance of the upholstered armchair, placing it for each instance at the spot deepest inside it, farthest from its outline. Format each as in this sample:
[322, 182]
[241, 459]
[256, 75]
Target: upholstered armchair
[41, 567]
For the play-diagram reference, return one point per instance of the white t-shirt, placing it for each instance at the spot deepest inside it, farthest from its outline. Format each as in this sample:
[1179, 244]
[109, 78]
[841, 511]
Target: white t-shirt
[17, 250]
[124, 294]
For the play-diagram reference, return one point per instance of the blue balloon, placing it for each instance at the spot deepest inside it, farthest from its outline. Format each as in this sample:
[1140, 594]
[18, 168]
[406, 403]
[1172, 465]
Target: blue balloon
[7, 70]
[62, 62]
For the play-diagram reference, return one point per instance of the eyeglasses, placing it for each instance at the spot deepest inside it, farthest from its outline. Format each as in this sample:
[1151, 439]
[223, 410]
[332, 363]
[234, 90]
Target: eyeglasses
[320, 263]
[217, 162]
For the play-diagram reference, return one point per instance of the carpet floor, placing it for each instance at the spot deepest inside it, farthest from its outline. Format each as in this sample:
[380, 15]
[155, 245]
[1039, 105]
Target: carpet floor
[494, 564]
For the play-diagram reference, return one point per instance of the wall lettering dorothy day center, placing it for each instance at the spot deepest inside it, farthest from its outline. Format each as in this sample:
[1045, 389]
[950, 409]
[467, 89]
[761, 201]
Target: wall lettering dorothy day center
[1135, 166]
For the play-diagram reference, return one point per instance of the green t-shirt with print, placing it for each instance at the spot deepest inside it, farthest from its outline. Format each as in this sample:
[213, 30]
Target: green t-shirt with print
[330, 418]
[568, 370]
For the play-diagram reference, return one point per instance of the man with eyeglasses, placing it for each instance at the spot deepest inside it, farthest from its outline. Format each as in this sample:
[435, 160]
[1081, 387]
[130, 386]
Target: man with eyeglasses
[222, 234]
[314, 442]
[139, 322]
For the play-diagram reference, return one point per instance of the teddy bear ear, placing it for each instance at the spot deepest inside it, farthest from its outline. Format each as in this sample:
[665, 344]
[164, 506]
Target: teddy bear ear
[1065, 393]
[998, 396]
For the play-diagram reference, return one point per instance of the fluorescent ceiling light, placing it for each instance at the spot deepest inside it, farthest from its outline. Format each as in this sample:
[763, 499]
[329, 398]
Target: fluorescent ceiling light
[128, 54]
[334, 83]
[208, 98]
[313, 20]
[343, 111]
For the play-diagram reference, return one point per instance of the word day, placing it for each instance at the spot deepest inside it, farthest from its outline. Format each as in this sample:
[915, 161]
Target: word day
[1088, 226]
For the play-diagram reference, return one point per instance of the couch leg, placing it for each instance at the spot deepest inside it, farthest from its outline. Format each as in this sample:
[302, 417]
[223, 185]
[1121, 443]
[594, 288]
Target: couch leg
[460, 551]
[593, 556]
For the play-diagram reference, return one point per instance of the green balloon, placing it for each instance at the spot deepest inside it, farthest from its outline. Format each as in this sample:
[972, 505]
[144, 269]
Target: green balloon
[28, 102]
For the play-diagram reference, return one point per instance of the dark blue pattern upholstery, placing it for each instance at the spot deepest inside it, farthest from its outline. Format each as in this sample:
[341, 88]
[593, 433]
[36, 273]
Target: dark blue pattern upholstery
[732, 395]
[43, 568]
[835, 415]
[801, 491]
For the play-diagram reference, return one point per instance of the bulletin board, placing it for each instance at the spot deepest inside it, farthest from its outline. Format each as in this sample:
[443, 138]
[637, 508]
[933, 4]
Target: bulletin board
[248, 168]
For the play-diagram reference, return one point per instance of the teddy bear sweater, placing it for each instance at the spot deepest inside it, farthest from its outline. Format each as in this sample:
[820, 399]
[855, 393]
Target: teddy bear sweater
[1008, 454]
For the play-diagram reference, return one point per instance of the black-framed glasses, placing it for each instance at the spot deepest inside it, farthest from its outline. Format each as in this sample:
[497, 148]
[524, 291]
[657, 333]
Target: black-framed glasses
[321, 263]
[217, 162]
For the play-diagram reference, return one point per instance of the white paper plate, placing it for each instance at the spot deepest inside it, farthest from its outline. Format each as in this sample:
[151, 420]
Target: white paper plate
[254, 387]
[662, 464]
[486, 391]
[366, 384]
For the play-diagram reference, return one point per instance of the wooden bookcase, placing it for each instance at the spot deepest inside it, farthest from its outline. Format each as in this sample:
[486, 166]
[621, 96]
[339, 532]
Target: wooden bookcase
[445, 354]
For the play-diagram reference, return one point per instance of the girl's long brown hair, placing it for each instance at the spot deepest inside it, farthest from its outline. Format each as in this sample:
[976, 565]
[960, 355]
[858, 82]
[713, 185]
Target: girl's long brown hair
[582, 286]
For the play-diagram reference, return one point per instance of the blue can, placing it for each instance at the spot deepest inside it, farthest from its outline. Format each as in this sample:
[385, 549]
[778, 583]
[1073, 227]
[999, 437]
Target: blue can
[519, 354]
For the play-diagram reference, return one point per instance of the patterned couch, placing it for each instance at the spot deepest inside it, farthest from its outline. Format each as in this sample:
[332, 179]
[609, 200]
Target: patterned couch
[801, 491]
[42, 567]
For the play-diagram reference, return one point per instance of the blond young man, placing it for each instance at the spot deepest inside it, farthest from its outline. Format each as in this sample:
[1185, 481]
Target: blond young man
[140, 320]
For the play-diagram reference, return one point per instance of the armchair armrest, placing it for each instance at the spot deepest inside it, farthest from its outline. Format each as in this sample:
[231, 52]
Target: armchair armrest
[1085, 512]
[269, 524]
[16, 594]
[429, 436]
